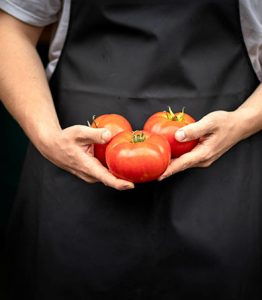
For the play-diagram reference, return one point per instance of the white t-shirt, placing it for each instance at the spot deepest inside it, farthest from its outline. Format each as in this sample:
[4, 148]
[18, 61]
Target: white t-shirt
[45, 12]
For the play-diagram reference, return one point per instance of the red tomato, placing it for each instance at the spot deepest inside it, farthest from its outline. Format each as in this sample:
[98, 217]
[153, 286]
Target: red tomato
[138, 156]
[166, 124]
[115, 123]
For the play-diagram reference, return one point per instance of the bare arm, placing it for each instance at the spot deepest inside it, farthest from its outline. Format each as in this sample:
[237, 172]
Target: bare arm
[23, 85]
[25, 93]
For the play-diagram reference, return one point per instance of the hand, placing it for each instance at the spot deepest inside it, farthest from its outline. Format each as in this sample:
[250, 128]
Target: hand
[72, 150]
[217, 131]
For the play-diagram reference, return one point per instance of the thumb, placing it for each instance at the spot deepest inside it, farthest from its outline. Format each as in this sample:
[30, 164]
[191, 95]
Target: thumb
[194, 131]
[95, 135]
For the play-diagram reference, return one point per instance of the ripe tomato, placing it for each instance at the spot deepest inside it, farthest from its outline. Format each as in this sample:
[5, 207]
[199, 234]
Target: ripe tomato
[115, 123]
[138, 156]
[166, 124]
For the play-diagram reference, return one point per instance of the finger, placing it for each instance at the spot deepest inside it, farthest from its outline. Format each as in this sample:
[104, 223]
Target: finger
[94, 168]
[103, 175]
[195, 130]
[81, 175]
[91, 135]
[88, 179]
[188, 160]
[114, 182]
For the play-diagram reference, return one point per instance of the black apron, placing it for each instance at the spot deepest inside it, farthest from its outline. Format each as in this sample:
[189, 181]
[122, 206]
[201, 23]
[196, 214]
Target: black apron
[194, 235]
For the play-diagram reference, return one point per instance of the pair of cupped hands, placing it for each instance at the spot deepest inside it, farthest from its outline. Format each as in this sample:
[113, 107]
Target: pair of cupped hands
[72, 148]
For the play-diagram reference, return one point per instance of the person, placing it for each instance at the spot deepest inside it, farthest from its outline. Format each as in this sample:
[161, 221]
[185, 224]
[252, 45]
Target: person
[78, 232]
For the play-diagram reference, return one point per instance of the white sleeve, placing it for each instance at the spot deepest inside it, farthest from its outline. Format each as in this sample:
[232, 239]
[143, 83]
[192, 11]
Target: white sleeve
[251, 22]
[33, 12]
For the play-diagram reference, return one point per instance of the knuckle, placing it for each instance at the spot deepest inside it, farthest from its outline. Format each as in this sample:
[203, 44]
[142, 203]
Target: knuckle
[106, 183]
[206, 158]
[70, 132]
[185, 165]
[211, 123]
[80, 130]
[87, 179]
[91, 180]
[207, 164]
[74, 172]
[205, 155]
[88, 171]
[79, 135]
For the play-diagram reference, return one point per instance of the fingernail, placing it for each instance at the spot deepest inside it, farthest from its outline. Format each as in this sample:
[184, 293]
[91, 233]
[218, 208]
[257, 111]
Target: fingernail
[106, 135]
[180, 135]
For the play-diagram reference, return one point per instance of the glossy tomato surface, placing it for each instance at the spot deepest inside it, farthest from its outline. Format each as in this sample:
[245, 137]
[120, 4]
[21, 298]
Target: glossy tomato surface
[166, 124]
[115, 123]
[138, 156]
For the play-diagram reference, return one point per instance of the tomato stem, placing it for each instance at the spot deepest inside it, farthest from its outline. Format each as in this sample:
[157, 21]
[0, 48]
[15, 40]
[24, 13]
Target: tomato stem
[170, 115]
[138, 137]
[94, 122]
[180, 117]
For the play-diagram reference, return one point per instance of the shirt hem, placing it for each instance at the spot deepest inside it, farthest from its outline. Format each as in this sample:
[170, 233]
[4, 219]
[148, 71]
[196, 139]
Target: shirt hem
[25, 16]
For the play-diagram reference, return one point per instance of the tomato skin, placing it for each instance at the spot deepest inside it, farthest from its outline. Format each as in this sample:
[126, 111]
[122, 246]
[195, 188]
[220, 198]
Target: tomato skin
[115, 123]
[166, 124]
[138, 161]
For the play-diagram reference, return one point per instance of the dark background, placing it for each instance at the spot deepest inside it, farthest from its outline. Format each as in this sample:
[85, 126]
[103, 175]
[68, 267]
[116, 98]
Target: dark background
[13, 144]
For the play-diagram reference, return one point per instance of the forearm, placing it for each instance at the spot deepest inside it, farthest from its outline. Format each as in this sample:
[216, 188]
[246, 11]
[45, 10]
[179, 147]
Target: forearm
[23, 85]
[249, 114]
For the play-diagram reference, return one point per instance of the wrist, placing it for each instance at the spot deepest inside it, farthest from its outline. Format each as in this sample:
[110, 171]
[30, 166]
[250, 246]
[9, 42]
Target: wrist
[248, 121]
[44, 137]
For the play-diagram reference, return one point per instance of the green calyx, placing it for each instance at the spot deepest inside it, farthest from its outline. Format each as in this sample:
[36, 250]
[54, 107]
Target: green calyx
[180, 117]
[138, 137]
